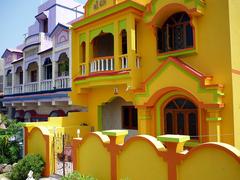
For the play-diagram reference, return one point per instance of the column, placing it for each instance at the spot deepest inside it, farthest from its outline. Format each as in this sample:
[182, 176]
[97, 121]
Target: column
[116, 47]
[13, 79]
[145, 121]
[54, 69]
[87, 49]
[70, 59]
[39, 73]
[214, 129]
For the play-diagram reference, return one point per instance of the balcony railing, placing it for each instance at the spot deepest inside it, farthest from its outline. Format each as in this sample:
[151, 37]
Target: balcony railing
[124, 61]
[102, 64]
[46, 85]
[62, 82]
[7, 90]
[83, 69]
[32, 39]
[18, 89]
[31, 87]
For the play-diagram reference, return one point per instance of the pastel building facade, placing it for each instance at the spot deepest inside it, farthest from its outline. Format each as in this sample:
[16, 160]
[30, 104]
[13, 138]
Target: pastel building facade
[37, 74]
[159, 67]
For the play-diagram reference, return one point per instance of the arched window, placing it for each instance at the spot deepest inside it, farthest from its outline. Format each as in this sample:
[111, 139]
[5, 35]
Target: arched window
[181, 117]
[19, 73]
[83, 52]
[9, 78]
[47, 68]
[176, 33]
[63, 65]
[124, 41]
[103, 45]
[33, 72]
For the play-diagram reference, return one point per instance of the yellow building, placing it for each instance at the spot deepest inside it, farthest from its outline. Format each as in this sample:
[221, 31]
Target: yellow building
[159, 67]
[152, 67]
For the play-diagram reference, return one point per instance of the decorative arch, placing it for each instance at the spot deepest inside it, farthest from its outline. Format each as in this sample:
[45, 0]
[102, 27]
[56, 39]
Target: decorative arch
[105, 29]
[160, 10]
[41, 135]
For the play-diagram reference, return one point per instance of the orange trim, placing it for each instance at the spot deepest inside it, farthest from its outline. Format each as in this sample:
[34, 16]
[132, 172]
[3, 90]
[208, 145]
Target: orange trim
[103, 73]
[214, 146]
[171, 154]
[185, 67]
[170, 9]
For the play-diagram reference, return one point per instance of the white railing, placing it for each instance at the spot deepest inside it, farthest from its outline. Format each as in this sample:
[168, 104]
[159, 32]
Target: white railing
[124, 61]
[18, 89]
[62, 82]
[83, 69]
[31, 87]
[7, 90]
[46, 85]
[32, 39]
[102, 64]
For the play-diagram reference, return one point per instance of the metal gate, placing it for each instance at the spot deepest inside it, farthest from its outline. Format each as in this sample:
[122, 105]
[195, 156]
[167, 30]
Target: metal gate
[62, 148]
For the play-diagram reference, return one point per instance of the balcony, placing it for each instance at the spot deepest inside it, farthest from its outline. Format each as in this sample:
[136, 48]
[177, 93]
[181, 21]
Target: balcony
[33, 39]
[7, 90]
[102, 64]
[43, 39]
[18, 89]
[31, 87]
[46, 85]
[62, 82]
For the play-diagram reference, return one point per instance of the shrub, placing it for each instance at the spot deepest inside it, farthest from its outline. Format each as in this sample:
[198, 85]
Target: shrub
[77, 176]
[9, 142]
[29, 162]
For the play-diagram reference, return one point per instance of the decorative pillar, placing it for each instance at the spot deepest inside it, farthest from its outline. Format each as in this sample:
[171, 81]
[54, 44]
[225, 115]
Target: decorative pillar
[116, 138]
[87, 49]
[13, 79]
[145, 120]
[174, 144]
[70, 58]
[53, 69]
[39, 73]
[116, 47]
[214, 129]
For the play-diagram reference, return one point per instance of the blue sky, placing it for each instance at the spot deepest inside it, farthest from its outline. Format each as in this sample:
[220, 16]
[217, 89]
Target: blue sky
[15, 17]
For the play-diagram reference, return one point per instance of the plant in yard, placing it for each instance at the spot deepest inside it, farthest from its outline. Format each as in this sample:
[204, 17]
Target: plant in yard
[77, 176]
[9, 145]
[29, 162]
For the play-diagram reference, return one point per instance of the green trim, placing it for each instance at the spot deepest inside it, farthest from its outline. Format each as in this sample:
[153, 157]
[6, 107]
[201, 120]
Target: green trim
[173, 138]
[122, 25]
[82, 38]
[115, 132]
[192, 143]
[181, 53]
[214, 119]
[106, 29]
[103, 78]
[107, 12]
[199, 88]
[100, 118]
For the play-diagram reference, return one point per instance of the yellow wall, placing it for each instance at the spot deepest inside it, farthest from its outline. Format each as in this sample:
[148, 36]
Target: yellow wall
[134, 163]
[143, 157]
[93, 159]
[216, 32]
[37, 148]
[209, 164]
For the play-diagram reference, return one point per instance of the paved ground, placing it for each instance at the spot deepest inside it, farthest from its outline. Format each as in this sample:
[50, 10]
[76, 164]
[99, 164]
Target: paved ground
[2, 177]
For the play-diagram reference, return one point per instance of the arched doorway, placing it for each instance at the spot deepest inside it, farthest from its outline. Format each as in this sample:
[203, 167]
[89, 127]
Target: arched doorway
[120, 114]
[181, 117]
